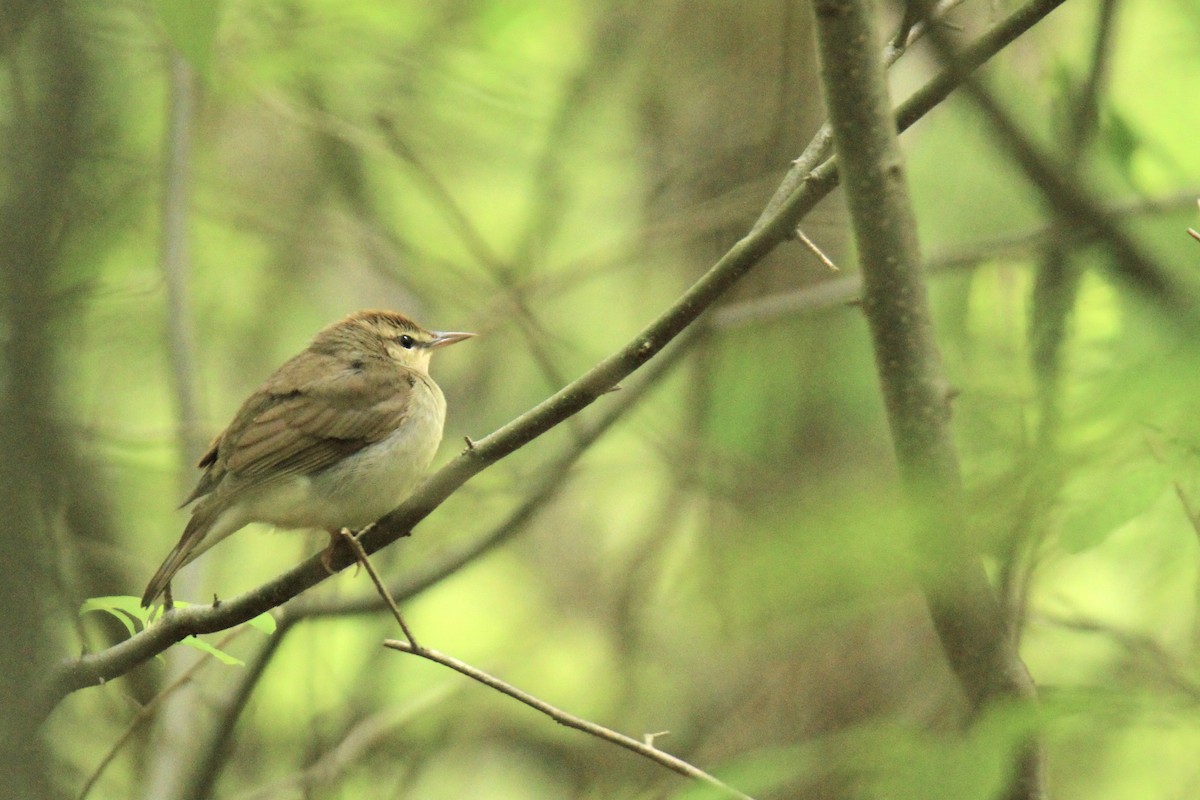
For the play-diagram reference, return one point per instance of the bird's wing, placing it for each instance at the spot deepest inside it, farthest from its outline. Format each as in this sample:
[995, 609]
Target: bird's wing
[298, 427]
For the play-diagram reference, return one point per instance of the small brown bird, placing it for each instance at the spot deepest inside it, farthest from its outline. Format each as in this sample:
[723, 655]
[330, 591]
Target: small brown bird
[337, 437]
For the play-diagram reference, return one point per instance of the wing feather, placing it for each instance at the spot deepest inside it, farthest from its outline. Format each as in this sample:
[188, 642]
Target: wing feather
[298, 425]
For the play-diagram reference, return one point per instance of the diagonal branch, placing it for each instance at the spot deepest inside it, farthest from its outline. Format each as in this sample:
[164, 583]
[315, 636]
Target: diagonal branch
[819, 180]
[94, 669]
[646, 748]
[1072, 202]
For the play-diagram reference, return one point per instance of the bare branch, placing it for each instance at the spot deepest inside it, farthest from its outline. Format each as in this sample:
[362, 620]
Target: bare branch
[646, 749]
[816, 251]
[384, 594]
[1074, 204]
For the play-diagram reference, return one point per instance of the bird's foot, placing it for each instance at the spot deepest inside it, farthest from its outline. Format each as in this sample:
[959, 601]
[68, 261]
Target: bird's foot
[335, 538]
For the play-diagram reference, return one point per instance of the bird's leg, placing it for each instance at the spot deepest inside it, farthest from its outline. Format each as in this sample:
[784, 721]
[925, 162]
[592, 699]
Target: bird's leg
[327, 554]
[335, 538]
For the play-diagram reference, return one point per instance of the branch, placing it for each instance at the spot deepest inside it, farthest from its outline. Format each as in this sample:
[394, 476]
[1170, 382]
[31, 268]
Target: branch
[570, 720]
[844, 290]
[1074, 204]
[1052, 300]
[966, 612]
[819, 180]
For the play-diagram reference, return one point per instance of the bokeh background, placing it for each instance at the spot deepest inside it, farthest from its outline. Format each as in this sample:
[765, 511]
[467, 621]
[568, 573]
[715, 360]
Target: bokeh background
[191, 190]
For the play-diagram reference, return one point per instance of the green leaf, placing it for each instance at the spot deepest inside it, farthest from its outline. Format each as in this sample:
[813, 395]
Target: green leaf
[762, 772]
[903, 763]
[191, 25]
[122, 607]
[128, 609]
[1100, 503]
[263, 622]
[205, 647]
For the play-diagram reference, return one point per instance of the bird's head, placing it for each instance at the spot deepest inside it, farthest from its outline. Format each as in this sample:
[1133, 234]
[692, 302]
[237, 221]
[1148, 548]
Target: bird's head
[385, 334]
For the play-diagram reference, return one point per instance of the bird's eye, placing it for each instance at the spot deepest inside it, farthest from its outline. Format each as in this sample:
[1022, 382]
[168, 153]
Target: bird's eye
[406, 341]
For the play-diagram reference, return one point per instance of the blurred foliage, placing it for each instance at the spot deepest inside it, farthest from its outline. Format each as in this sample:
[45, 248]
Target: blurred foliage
[726, 564]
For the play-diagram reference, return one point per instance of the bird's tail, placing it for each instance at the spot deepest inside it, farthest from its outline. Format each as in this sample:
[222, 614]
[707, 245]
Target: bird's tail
[191, 544]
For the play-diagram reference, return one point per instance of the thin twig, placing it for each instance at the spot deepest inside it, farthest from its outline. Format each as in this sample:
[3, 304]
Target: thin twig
[570, 720]
[816, 251]
[365, 560]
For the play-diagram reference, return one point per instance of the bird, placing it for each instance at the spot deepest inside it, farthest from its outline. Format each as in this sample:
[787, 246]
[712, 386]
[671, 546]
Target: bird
[335, 438]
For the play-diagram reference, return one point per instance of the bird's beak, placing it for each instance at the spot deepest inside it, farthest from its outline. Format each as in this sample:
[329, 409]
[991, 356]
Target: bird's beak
[443, 338]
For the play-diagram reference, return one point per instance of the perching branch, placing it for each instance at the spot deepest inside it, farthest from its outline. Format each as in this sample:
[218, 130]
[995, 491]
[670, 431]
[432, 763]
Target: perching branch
[570, 720]
[965, 611]
[93, 669]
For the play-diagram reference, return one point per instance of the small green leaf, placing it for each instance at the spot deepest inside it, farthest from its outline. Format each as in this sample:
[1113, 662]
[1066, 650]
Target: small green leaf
[263, 622]
[1104, 501]
[220, 655]
[123, 607]
[129, 609]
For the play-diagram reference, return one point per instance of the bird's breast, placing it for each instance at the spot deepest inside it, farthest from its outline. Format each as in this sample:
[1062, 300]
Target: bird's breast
[368, 484]
[379, 477]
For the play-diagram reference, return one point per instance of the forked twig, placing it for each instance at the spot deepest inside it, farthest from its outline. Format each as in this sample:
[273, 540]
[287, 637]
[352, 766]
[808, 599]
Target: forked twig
[365, 560]
[646, 749]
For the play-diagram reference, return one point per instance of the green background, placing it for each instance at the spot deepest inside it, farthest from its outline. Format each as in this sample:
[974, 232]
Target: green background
[726, 564]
